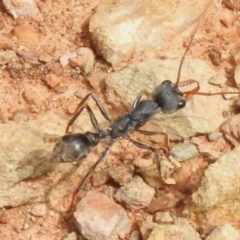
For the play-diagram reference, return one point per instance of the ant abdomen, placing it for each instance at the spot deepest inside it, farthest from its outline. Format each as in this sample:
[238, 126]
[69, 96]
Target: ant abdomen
[72, 147]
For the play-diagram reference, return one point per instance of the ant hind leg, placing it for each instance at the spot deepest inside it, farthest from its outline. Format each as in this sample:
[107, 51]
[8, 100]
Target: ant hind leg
[83, 105]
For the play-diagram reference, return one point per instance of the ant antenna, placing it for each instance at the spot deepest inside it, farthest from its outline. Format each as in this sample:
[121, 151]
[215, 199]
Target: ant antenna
[188, 47]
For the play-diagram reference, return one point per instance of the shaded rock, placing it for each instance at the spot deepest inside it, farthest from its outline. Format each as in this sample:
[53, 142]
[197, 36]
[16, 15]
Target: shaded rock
[151, 176]
[98, 217]
[164, 201]
[231, 129]
[180, 229]
[30, 57]
[184, 151]
[22, 8]
[71, 236]
[135, 235]
[99, 178]
[125, 85]
[23, 157]
[136, 194]
[122, 174]
[233, 5]
[224, 232]
[121, 30]
[219, 183]
[146, 228]
[189, 176]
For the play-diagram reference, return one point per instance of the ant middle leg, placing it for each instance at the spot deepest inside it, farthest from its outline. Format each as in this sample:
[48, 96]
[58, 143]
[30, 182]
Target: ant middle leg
[145, 146]
[83, 105]
[151, 133]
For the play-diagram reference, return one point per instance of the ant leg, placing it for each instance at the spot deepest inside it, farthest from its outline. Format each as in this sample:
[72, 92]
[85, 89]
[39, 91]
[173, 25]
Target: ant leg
[136, 101]
[148, 133]
[100, 159]
[92, 168]
[82, 105]
[144, 146]
[151, 133]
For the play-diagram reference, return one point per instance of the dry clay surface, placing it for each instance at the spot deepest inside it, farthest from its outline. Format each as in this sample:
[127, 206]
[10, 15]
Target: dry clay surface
[55, 52]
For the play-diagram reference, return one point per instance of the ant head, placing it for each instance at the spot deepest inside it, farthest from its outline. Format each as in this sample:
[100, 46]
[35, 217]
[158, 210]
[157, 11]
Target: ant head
[168, 97]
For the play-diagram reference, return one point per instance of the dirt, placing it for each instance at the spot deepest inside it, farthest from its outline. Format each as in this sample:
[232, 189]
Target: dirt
[27, 88]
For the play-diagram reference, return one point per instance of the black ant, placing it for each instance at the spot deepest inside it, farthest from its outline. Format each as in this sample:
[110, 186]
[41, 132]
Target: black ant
[167, 97]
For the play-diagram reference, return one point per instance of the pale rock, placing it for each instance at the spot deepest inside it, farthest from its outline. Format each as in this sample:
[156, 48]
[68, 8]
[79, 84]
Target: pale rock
[131, 27]
[136, 194]
[224, 232]
[180, 229]
[99, 218]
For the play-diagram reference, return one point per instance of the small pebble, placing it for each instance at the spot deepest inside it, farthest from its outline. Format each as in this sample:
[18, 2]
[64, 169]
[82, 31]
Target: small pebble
[109, 191]
[184, 151]
[31, 97]
[135, 235]
[39, 210]
[215, 136]
[5, 42]
[122, 174]
[84, 59]
[20, 116]
[100, 178]
[164, 201]
[21, 7]
[6, 56]
[52, 80]
[28, 225]
[163, 217]
[26, 32]
[136, 194]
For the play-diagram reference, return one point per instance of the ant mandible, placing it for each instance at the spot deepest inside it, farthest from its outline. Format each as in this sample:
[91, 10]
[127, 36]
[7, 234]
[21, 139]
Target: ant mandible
[167, 97]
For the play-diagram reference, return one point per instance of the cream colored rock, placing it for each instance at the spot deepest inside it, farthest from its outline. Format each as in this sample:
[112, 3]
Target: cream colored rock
[120, 30]
[224, 232]
[180, 229]
[202, 114]
[220, 183]
[100, 218]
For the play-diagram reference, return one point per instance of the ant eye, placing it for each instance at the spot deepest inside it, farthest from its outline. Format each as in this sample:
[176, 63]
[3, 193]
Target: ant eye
[182, 104]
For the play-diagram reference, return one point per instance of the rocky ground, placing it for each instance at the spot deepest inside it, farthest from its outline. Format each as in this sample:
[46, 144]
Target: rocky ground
[53, 53]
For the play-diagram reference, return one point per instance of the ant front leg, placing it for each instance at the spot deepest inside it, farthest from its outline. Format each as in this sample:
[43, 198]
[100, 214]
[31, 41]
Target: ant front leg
[145, 146]
[83, 105]
[138, 98]
[152, 133]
